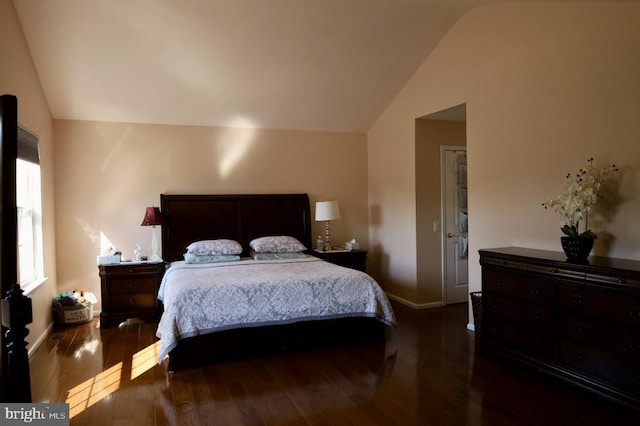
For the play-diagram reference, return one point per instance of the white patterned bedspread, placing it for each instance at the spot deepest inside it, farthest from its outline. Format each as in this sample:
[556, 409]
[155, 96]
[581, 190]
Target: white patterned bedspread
[204, 298]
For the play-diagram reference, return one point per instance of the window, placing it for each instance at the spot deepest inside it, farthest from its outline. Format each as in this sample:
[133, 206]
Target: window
[28, 200]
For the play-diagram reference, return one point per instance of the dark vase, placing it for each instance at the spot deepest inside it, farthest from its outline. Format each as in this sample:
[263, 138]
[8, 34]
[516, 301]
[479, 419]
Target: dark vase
[577, 249]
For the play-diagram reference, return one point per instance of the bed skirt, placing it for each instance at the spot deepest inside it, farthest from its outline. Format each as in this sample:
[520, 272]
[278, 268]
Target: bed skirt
[197, 351]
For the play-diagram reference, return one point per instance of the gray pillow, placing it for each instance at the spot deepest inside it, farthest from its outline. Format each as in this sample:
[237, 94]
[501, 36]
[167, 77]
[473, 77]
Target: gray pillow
[277, 256]
[214, 247]
[277, 244]
[214, 258]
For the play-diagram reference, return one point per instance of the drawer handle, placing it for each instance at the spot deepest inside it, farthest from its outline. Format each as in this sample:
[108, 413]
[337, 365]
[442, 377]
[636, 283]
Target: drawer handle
[579, 356]
[535, 292]
[504, 262]
[535, 316]
[554, 270]
[132, 301]
[131, 271]
[579, 329]
[621, 281]
[635, 347]
[535, 343]
[132, 286]
[635, 313]
[497, 307]
[577, 300]
[497, 283]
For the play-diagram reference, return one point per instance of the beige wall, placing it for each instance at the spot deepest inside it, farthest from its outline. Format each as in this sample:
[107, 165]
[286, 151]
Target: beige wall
[546, 87]
[430, 136]
[18, 77]
[107, 173]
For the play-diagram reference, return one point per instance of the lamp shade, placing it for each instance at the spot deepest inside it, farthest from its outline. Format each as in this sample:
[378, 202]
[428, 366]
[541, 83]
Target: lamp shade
[152, 217]
[327, 210]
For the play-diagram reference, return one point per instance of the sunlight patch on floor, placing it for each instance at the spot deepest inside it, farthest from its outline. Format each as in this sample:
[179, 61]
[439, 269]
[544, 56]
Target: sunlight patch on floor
[144, 360]
[93, 390]
[104, 384]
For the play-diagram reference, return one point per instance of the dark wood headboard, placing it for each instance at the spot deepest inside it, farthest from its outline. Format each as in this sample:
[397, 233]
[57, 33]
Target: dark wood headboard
[190, 218]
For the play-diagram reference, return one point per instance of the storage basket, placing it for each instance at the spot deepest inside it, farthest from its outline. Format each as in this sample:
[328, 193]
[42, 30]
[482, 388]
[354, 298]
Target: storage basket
[476, 306]
[76, 314]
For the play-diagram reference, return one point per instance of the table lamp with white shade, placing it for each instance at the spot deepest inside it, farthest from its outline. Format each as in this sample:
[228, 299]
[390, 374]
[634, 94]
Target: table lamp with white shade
[327, 211]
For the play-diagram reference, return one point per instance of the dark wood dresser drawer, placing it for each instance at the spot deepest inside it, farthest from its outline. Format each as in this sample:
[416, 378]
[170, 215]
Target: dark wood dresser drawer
[505, 263]
[602, 365]
[518, 310]
[535, 288]
[611, 337]
[600, 303]
[531, 341]
[615, 279]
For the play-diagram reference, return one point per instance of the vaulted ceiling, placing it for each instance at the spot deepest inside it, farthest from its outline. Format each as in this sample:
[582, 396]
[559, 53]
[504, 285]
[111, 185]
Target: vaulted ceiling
[331, 65]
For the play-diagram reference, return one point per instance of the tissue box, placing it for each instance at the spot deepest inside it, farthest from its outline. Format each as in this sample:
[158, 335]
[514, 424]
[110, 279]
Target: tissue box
[108, 259]
[352, 245]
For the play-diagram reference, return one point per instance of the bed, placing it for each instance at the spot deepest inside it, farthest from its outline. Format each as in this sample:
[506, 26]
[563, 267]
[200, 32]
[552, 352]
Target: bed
[214, 311]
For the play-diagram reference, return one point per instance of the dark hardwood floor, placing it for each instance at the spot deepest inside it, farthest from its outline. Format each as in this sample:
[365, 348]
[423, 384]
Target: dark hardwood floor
[427, 373]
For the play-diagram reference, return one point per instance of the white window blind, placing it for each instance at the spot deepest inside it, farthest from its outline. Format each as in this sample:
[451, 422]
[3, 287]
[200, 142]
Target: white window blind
[28, 200]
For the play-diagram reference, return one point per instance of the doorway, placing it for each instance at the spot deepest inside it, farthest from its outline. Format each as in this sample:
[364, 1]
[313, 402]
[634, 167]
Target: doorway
[455, 224]
[446, 128]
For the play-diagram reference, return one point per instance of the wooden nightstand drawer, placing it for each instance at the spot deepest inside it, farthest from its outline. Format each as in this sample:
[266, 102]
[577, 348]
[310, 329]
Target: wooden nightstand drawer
[133, 301]
[132, 285]
[132, 269]
[354, 259]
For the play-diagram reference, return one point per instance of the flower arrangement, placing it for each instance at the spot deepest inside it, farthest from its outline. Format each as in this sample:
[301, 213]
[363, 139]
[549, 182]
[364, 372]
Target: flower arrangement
[580, 195]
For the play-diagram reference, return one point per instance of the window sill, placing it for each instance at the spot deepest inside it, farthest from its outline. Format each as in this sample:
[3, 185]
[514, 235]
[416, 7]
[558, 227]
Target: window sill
[30, 287]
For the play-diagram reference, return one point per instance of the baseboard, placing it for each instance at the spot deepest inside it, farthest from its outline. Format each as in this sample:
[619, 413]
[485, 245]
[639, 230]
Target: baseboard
[415, 305]
[39, 340]
[45, 334]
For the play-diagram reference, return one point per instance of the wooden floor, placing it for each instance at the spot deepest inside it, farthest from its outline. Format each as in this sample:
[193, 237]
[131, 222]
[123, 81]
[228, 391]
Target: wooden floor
[427, 373]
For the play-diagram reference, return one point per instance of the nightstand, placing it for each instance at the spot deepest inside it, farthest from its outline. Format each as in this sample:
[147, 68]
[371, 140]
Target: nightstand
[130, 290]
[354, 259]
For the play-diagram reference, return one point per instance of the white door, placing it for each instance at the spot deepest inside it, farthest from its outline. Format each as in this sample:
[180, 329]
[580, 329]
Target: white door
[454, 229]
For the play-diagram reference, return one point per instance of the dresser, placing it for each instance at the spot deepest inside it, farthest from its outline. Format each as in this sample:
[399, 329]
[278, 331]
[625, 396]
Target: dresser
[579, 322]
[130, 290]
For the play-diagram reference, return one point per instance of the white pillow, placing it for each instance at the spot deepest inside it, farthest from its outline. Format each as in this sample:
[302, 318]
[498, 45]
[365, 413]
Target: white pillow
[278, 244]
[214, 247]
